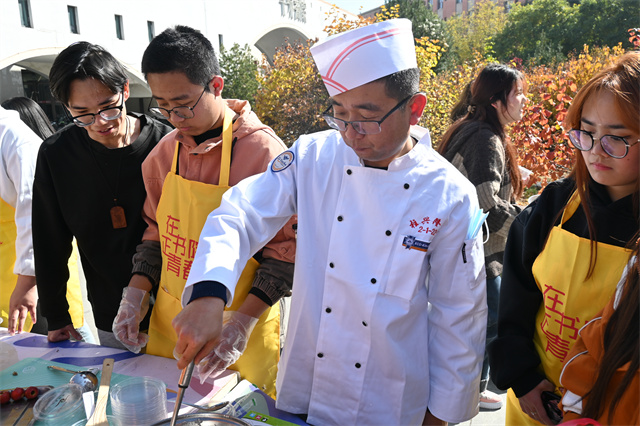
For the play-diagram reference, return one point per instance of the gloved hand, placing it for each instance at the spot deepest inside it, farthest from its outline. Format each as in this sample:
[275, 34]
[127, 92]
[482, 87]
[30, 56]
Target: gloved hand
[126, 326]
[236, 330]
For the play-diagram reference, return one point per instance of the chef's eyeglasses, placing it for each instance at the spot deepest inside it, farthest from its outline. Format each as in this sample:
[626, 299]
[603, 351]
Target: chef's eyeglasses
[369, 127]
[614, 146]
[185, 112]
[109, 114]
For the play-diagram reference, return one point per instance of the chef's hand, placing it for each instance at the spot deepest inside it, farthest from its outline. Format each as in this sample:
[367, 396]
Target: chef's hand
[23, 301]
[64, 333]
[531, 403]
[233, 341]
[126, 325]
[197, 327]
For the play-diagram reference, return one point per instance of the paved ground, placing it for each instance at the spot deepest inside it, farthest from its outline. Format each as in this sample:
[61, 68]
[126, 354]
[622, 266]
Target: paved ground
[489, 417]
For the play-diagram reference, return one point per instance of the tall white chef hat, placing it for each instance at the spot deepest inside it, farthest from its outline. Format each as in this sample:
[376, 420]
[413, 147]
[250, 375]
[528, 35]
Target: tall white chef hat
[359, 56]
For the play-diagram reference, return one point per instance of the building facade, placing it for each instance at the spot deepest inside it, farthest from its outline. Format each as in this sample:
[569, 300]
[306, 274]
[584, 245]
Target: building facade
[33, 32]
[445, 9]
[448, 8]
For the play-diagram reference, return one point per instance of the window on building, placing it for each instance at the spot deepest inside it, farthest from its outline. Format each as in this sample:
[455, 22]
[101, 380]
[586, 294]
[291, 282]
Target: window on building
[119, 27]
[440, 4]
[73, 19]
[151, 29]
[25, 13]
[458, 1]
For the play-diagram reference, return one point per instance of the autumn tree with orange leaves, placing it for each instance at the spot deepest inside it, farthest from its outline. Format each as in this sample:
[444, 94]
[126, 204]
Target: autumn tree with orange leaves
[292, 96]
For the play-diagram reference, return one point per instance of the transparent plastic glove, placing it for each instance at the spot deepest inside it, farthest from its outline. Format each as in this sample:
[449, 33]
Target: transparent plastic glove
[235, 334]
[126, 326]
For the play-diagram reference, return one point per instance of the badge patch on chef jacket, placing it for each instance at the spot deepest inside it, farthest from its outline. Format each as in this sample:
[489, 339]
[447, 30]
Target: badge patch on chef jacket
[412, 243]
[282, 161]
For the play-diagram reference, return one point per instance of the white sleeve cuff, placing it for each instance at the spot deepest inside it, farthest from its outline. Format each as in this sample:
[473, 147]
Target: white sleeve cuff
[572, 402]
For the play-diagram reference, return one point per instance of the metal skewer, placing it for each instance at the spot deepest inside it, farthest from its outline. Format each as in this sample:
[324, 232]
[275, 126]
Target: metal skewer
[185, 379]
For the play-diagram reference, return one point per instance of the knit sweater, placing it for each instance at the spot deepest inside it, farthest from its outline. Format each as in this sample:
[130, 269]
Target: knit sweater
[479, 154]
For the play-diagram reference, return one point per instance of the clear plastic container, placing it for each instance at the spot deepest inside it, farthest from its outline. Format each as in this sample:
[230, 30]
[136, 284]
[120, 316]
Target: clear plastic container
[139, 400]
[60, 406]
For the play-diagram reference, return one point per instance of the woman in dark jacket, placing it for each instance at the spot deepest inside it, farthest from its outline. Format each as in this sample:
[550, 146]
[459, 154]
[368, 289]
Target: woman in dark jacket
[477, 145]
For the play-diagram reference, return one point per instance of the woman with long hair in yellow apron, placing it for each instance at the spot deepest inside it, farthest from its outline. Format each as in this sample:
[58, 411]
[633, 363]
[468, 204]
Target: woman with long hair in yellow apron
[566, 251]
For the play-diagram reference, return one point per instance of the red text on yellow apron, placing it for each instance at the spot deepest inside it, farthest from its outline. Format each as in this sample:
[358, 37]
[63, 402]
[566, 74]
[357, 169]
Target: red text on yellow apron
[569, 300]
[182, 211]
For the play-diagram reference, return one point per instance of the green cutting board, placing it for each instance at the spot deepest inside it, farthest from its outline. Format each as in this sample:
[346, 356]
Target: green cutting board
[34, 372]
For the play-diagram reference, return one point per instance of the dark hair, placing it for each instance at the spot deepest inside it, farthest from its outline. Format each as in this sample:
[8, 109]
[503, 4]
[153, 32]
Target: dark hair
[461, 108]
[402, 84]
[182, 49]
[81, 61]
[494, 83]
[32, 114]
[621, 346]
[622, 80]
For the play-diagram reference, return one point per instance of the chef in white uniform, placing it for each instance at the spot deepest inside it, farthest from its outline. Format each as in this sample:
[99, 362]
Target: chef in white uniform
[388, 311]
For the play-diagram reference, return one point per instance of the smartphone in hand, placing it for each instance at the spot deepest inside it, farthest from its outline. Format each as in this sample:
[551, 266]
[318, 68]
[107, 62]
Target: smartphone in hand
[550, 402]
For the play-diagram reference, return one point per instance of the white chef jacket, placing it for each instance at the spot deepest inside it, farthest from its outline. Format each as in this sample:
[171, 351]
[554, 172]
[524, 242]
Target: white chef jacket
[18, 153]
[388, 312]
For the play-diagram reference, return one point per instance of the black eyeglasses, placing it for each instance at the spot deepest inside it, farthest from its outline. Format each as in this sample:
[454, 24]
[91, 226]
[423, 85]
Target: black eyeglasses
[110, 113]
[180, 111]
[369, 127]
[614, 146]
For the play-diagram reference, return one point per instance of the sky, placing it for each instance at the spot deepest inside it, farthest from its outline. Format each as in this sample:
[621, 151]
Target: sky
[353, 6]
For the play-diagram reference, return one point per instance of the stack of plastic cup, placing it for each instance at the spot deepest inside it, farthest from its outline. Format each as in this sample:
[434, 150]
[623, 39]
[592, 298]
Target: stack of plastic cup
[139, 401]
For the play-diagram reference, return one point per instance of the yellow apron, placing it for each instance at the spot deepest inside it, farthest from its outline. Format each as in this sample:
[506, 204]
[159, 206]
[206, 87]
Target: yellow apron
[569, 301]
[8, 235]
[182, 211]
[74, 295]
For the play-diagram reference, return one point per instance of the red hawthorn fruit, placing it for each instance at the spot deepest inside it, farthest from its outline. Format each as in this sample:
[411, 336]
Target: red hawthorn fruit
[31, 392]
[17, 394]
[5, 397]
